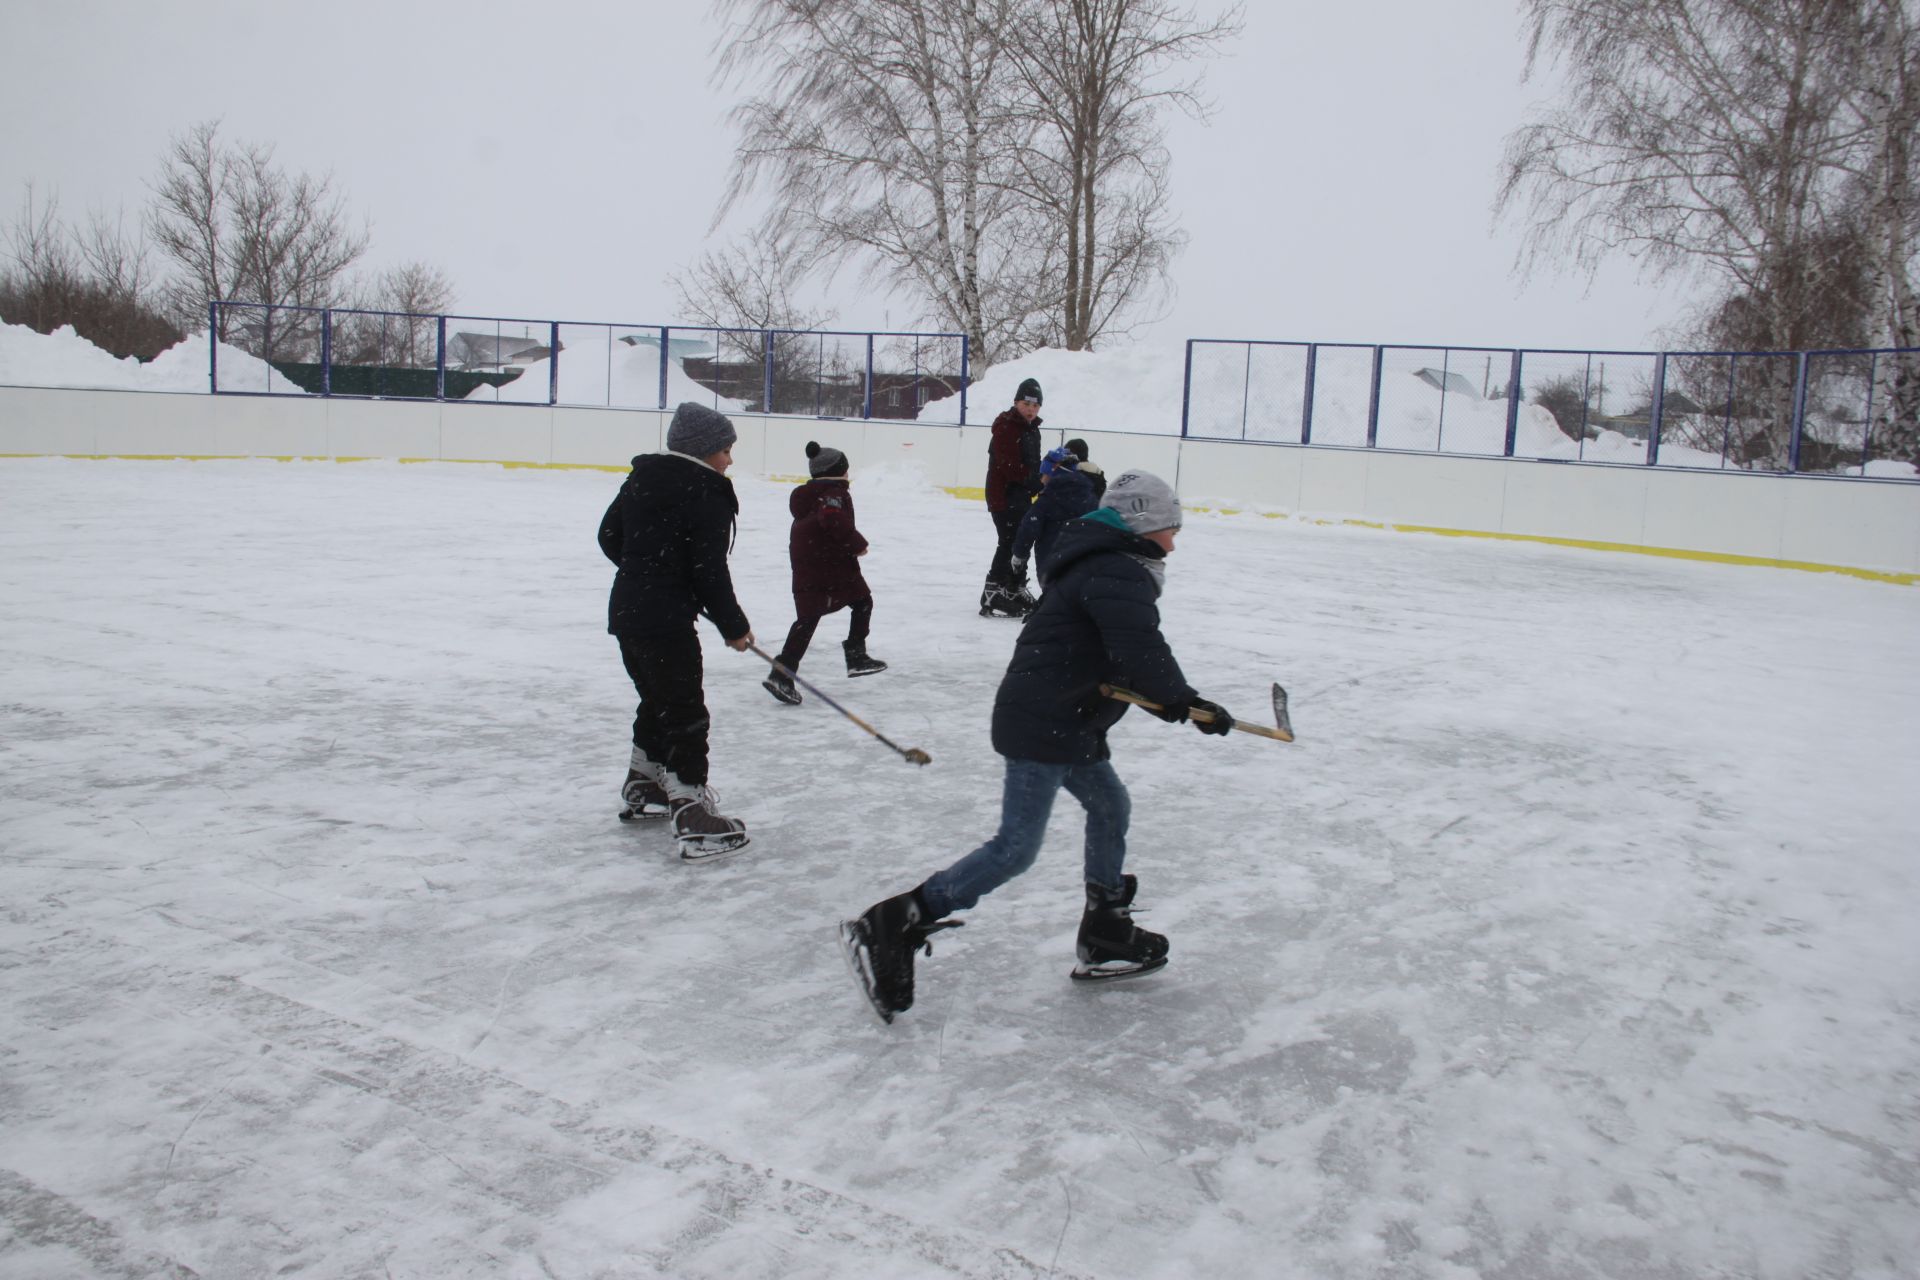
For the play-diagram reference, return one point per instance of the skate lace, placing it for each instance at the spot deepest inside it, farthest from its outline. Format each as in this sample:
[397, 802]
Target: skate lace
[921, 939]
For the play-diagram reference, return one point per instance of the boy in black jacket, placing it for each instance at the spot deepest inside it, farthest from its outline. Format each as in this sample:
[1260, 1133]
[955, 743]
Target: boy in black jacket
[1064, 495]
[669, 529]
[1097, 623]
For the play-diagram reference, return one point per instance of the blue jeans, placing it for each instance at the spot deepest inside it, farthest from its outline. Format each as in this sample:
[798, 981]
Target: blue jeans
[1025, 803]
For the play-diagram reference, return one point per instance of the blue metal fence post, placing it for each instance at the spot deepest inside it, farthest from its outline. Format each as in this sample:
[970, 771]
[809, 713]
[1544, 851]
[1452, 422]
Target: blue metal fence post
[1799, 413]
[1373, 400]
[1659, 409]
[866, 399]
[553, 363]
[213, 348]
[766, 385]
[966, 373]
[966, 354]
[440, 358]
[1246, 391]
[1866, 423]
[1306, 399]
[1726, 429]
[665, 337]
[819, 374]
[1446, 371]
[1513, 405]
[1186, 391]
[326, 352]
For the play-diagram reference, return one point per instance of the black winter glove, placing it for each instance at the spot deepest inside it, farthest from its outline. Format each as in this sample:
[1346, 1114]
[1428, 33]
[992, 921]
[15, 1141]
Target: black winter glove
[1221, 722]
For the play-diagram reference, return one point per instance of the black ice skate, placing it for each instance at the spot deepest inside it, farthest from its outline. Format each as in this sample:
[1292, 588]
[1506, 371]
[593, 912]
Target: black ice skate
[858, 661]
[643, 797]
[1110, 945]
[703, 833]
[780, 685]
[879, 948]
[997, 602]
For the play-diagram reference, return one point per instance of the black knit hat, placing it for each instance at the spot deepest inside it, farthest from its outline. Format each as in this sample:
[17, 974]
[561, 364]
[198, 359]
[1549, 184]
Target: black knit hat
[823, 463]
[1079, 448]
[1029, 390]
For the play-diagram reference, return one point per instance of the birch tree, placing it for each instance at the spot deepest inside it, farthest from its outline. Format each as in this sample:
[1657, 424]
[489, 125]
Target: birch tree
[1094, 75]
[882, 131]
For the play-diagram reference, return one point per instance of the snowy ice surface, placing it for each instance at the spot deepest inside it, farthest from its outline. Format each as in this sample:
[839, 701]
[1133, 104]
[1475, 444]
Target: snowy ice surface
[1572, 939]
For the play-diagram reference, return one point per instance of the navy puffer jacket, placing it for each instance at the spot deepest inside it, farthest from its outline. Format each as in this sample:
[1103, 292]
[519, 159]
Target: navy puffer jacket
[1098, 623]
[669, 529]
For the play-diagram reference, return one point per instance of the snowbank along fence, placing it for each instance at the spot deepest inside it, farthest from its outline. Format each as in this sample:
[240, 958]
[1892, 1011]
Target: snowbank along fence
[489, 359]
[1824, 412]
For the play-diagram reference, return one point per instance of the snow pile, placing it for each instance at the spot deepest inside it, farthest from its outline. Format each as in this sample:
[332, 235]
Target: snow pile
[1122, 389]
[65, 359]
[624, 376]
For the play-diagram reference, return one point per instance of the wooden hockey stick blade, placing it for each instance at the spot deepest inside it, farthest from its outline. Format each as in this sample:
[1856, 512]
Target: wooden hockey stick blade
[1282, 733]
[912, 755]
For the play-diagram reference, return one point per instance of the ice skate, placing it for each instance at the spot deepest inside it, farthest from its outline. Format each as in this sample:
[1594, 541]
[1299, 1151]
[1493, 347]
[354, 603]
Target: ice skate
[859, 663]
[879, 947]
[997, 602]
[780, 685]
[1110, 945]
[703, 833]
[643, 796]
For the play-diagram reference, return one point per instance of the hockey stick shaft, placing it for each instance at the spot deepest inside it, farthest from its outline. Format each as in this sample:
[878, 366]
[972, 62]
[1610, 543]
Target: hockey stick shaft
[913, 755]
[1281, 734]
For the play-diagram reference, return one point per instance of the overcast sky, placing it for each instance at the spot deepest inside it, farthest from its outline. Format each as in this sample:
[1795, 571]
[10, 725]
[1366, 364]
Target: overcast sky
[559, 160]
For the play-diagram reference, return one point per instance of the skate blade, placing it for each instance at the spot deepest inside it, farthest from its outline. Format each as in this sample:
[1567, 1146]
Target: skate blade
[1114, 971]
[704, 851]
[641, 815]
[855, 675]
[856, 958]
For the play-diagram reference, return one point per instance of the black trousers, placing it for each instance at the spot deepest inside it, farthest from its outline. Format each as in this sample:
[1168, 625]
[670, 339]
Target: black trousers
[800, 634]
[1005, 525]
[670, 724]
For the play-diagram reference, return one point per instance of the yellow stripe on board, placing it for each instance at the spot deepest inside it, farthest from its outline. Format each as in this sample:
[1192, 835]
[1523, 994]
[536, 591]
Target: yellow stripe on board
[1585, 544]
[980, 495]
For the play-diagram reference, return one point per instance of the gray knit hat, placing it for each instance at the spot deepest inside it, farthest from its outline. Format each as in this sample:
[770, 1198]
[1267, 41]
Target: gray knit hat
[699, 432]
[1145, 501]
[823, 462]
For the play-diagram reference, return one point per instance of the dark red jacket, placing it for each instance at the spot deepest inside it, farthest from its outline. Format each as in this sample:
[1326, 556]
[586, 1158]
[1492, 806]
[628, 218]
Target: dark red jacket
[1013, 461]
[824, 545]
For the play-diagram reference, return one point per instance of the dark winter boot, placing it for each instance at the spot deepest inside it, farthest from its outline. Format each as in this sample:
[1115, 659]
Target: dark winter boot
[1110, 945]
[880, 947]
[780, 685]
[702, 831]
[644, 797]
[858, 663]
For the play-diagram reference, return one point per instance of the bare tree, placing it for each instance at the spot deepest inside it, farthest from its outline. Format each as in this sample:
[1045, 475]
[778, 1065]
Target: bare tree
[95, 280]
[1764, 144]
[887, 134]
[240, 228]
[1093, 75]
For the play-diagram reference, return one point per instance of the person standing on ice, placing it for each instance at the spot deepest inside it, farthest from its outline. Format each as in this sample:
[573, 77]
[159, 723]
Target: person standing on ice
[825, 549]
[1089, 468]
[1098, 623]
[669, 530]
[1013, 478]
[1065, 495]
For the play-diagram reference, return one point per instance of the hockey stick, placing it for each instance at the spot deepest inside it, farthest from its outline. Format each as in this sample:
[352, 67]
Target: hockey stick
[1283, 724]
[913, 755]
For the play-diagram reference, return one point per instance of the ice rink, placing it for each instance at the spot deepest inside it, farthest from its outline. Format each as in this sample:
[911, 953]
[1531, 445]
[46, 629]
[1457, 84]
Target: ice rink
[1574, 938]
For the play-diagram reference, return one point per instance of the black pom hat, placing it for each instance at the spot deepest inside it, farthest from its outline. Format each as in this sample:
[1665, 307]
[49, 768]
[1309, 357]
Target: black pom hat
[1029, 390]
[822, 463]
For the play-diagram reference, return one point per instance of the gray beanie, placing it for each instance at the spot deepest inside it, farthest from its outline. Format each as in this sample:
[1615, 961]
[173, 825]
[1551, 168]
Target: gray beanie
[699, 432]
[823, 463]
[1145, 501]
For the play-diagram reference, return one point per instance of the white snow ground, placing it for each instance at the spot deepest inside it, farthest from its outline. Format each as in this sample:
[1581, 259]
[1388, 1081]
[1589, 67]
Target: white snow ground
[1573, 938]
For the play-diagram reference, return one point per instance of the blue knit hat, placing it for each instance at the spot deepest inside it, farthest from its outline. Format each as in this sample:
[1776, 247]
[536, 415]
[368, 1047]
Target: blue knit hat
[1058, 458]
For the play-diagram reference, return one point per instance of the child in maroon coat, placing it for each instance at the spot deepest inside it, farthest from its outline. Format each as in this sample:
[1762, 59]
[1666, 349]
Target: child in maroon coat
[825, 548]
